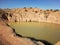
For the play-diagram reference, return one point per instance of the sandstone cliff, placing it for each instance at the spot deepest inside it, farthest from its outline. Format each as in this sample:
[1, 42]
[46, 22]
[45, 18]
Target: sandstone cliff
[30, 15]
[8, 36]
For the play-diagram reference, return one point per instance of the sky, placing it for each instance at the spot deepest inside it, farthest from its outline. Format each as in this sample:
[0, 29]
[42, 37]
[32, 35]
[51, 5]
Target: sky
[44, 4]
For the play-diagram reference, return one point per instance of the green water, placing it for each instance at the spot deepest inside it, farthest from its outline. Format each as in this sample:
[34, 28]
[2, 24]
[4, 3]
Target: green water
[43, 31]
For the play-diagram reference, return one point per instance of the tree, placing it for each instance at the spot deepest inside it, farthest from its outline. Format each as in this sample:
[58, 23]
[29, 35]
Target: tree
[24, 7]
[26, 10]
[56, 10]
[51, 9]
[36, 11]
[30, 7]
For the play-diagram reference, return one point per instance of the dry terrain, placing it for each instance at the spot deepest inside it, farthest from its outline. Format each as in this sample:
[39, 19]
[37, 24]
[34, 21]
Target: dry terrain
[30, 15]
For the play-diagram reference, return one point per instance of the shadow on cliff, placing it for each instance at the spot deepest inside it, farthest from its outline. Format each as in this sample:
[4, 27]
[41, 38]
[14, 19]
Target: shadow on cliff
[17, 33]
[43, 41]
[3, 15]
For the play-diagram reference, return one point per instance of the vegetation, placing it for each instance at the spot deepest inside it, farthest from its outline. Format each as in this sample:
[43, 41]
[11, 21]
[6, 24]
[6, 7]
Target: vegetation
[26, 10]
[30, 7]
[36, 11]
[24, 7]
[10, 14]
[56, 10]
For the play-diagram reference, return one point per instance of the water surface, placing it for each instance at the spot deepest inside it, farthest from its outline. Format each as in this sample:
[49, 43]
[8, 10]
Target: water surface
[43, 31]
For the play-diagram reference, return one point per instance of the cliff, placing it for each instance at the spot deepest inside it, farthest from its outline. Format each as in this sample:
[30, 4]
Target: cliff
[30, 15]
[8, 36]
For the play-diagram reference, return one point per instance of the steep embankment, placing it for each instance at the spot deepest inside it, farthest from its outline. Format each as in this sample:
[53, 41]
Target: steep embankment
[31, 15]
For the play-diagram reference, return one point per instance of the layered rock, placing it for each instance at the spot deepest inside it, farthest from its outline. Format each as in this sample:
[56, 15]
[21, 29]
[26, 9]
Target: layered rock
[32, 15]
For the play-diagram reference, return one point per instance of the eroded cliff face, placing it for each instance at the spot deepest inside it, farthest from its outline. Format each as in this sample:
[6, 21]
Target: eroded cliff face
[32, 15]
[8, 36]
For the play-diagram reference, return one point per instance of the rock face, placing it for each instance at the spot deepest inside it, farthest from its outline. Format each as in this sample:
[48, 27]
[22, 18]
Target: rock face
[31, 15]
[58, 43]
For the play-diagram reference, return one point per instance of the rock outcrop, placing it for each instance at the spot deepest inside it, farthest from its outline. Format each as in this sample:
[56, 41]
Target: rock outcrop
[58, 43]
[31, 15]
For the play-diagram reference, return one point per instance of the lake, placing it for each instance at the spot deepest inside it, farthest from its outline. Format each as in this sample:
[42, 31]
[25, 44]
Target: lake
[43, 31]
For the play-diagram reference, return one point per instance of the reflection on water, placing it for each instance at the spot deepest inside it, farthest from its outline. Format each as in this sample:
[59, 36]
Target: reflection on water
[43, 31]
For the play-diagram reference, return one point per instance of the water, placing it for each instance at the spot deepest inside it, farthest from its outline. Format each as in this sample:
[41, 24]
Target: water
[43, 31]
